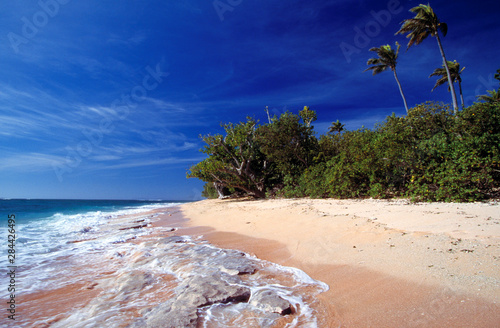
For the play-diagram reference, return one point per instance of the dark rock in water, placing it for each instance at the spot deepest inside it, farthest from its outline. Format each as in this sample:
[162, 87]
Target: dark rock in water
[234, 262]
[207, 276]
[208, 290]
[164, 316]
[195, 292]
[173, 239]
[269, 301]
[134, 227]
[134, 282]
[86, 229]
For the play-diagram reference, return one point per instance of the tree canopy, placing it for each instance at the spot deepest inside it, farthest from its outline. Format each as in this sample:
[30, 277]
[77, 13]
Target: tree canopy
[429, 154]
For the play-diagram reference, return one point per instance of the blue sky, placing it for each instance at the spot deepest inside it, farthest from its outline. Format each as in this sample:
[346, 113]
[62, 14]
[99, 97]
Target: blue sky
[100, 99]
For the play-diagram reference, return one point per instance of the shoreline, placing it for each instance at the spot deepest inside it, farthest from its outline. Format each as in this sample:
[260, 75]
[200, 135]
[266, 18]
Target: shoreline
[134, 280]
[371, 285]
[388, 263]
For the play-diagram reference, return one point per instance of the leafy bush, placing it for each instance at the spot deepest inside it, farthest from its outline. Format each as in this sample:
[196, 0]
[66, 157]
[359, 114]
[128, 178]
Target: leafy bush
[209, 191]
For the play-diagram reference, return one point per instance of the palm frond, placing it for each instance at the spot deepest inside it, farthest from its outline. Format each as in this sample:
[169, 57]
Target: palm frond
[442, 80]
[377, 69]
[424, 23]
[444, 28]
[455, 72]
[387, 58]
[494, 96]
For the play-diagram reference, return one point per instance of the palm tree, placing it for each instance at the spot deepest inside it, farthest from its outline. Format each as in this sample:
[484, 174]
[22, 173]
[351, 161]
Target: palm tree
[336, 127]
[426, 23]
[387, 59]
[494, 96]
[308, 116]
[455, 72]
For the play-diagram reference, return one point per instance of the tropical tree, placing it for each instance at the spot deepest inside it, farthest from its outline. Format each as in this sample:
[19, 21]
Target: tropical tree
[418, 28]
[308, 116]
[235, 160]
[268, 116]
[494, 95]
[289, 144]
[387, 59]
[455, 72]
[336, 127]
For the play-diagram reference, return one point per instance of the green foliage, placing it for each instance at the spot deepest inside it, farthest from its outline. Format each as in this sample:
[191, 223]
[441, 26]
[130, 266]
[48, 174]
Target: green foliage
[259, 159]
[493, 96]
[336, 127]
[209, 191]
[428, 155]
[308, 116]
[289, 144]
[234, 160]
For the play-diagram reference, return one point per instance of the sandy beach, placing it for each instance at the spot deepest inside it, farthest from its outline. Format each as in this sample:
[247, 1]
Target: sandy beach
[387, 263]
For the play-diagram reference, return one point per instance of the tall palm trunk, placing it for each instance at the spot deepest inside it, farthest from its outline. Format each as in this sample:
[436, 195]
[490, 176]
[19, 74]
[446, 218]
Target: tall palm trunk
[445, 63]
[461, 94]
[401, 91]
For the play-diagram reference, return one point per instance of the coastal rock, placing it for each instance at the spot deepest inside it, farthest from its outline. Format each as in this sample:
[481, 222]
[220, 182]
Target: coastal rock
[134, 227]
[173, 239]
[164, 316]
[196, 292]
[234, 262]
[203, 291]
[209, 275]
[209, 258]
[269, 301]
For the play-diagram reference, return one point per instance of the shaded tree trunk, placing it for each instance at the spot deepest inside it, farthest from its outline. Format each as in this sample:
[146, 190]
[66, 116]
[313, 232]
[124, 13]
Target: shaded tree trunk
[401, 91]
[220, 190]
[445, 63]
[461, 94]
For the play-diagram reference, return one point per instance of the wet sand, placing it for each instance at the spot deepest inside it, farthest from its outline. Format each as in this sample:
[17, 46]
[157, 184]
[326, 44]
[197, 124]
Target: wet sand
[388, 263]
[119, 283]
[98, 280]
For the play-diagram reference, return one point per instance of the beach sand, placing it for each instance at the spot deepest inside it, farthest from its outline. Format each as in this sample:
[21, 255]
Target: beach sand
[387, 263]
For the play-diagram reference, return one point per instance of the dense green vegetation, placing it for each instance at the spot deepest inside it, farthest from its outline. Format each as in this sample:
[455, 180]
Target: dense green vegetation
[429, 154]
[434, 153]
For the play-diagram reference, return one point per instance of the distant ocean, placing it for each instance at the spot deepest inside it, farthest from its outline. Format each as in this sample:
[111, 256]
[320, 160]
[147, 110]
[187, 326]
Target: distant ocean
[31, 210]
[43, 228]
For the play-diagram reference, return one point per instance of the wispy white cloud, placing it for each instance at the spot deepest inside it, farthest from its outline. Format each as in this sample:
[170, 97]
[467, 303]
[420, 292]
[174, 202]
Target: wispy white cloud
[129, 41]
[142, 162]
[103, 158]
[165, 105]
[30, 162]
